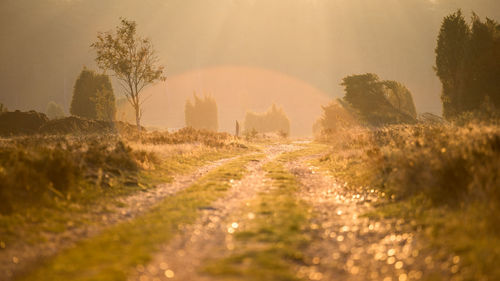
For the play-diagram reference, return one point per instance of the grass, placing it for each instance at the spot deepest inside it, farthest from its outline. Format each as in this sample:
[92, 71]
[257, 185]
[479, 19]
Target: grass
[49, 184]
[111, 255]
[443, 178]
[271, 245]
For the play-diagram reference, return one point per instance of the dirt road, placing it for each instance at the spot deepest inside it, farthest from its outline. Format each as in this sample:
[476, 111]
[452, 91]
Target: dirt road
[332, 239]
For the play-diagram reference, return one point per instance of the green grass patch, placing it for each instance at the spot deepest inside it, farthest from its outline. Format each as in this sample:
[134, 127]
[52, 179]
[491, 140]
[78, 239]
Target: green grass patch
[111, 255]
[272, 243]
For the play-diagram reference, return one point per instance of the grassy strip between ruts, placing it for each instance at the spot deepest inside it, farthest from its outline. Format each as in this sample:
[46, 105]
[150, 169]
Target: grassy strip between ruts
[111, 255]
[271, 240]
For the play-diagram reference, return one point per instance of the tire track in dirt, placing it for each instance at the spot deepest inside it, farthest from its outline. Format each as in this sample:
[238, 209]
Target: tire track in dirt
[17, 259]
[210, 236]
[347, 246]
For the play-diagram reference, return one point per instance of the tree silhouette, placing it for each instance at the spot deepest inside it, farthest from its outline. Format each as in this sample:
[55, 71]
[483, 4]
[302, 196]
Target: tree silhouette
[54, 110]
[93, 96]
[274, 120]
[202, 113]
[3, 108]
[468, 64]
[379, 102]
[132, 59]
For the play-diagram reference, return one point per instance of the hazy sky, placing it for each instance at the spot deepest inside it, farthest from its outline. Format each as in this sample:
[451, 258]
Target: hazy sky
[45, 43]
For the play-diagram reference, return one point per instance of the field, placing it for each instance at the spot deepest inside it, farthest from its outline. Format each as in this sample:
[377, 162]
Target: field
[393, 203]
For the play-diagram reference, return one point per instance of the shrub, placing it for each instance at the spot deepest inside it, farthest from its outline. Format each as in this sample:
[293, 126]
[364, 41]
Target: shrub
[449, 165]
[35, 170]
[54, 110]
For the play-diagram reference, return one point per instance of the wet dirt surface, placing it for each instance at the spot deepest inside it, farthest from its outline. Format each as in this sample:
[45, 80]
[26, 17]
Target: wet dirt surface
[210, 237]
[349, 246]
[15, 259]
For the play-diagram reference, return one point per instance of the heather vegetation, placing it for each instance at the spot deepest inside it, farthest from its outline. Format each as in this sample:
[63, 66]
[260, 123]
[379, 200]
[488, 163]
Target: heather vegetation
[441, 177]
[39, 169]
[380, 193]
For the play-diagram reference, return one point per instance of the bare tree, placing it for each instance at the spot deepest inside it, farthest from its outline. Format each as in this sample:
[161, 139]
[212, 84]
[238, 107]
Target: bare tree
[132, 59]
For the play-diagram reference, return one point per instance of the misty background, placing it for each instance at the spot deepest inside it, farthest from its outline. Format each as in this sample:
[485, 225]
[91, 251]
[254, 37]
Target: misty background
[247, 54]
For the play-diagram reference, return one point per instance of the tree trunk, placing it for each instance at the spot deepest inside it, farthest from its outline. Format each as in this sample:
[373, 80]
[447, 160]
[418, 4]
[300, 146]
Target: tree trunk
[137, 117]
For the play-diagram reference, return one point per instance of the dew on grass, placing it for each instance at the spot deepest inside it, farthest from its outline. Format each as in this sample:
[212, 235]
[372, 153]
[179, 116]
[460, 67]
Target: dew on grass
[169, 273]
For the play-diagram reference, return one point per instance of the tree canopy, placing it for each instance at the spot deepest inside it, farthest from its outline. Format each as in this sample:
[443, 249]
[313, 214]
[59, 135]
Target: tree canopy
[468, 64]
[379, 102]
[93, 96]
[132, 59]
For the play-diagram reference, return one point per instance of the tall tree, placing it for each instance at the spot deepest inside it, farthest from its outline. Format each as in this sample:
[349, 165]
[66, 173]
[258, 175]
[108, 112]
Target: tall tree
[483, 65]
[105, 105]
[468, 64]
[132, 59]
[450, 65]
[92, 95]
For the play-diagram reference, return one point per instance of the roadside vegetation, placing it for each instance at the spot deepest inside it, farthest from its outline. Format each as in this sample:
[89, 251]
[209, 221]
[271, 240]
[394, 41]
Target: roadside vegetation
[49, 183]
[442, 178]
[132, 243]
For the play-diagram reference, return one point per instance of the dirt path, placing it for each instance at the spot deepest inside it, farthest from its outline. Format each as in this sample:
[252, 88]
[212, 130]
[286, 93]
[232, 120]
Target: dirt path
[210, 236]
[348, 246]
[17, 258]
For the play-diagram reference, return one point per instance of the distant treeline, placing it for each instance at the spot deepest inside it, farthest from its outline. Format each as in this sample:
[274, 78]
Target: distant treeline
[467, 63]
[202, 113]
[274, 120]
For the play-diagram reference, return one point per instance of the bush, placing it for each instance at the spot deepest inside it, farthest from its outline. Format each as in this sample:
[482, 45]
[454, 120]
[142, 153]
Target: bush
[21, 123]
[54, 110]
[35, 170]
[449, 165]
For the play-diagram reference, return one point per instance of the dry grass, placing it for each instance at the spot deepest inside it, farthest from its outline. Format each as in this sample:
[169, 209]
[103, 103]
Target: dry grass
[188, 135]
[35, 170]
[444, 177]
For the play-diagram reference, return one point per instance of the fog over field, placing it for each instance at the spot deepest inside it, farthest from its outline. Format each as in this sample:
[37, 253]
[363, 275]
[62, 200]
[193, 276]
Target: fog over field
[247, 53]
